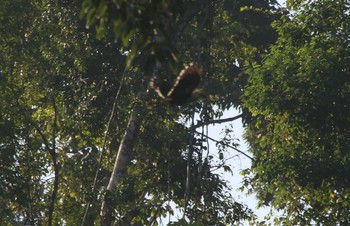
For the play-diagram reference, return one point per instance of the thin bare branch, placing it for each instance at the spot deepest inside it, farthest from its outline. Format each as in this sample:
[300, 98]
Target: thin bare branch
[230, 146]
[218, 121]
[43, 137]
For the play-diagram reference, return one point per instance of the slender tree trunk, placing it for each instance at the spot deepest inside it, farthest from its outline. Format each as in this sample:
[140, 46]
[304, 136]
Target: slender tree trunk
[121, 163]
[54, 191]
[188, 168]
[53, 154]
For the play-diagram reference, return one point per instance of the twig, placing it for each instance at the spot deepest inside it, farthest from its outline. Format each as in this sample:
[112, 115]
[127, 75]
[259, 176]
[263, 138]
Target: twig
[200, 124]
[230, 146]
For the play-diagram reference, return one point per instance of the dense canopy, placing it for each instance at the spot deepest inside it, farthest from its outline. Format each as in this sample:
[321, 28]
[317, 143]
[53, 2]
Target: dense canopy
[83, 140]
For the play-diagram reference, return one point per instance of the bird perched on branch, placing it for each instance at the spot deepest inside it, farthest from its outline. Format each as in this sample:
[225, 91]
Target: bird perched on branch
[185, 85]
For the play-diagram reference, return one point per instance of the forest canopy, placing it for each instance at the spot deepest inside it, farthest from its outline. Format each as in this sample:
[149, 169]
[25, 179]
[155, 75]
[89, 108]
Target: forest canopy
[85, 141]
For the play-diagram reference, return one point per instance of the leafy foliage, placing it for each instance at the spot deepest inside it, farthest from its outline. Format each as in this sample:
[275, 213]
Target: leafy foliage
[58, 85]
[299, 98]
[45, 66]
[142, 25]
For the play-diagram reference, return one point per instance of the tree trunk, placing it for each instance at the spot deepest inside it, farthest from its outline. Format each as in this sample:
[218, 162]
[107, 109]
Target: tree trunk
[121, 163]
[54, 163]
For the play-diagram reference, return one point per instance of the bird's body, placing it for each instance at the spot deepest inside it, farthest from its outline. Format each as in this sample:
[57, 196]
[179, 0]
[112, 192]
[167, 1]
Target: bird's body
[186, 82]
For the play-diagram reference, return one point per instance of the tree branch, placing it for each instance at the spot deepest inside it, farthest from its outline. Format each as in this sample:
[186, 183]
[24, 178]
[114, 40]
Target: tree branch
[51, 150]
[55, 165]
[104, 144]
[46, 143]
[121, 163]
[200, 124]
[230, 146]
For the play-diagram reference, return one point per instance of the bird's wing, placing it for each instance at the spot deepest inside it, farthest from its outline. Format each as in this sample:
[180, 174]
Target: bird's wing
[162, 88]
[187, 81]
